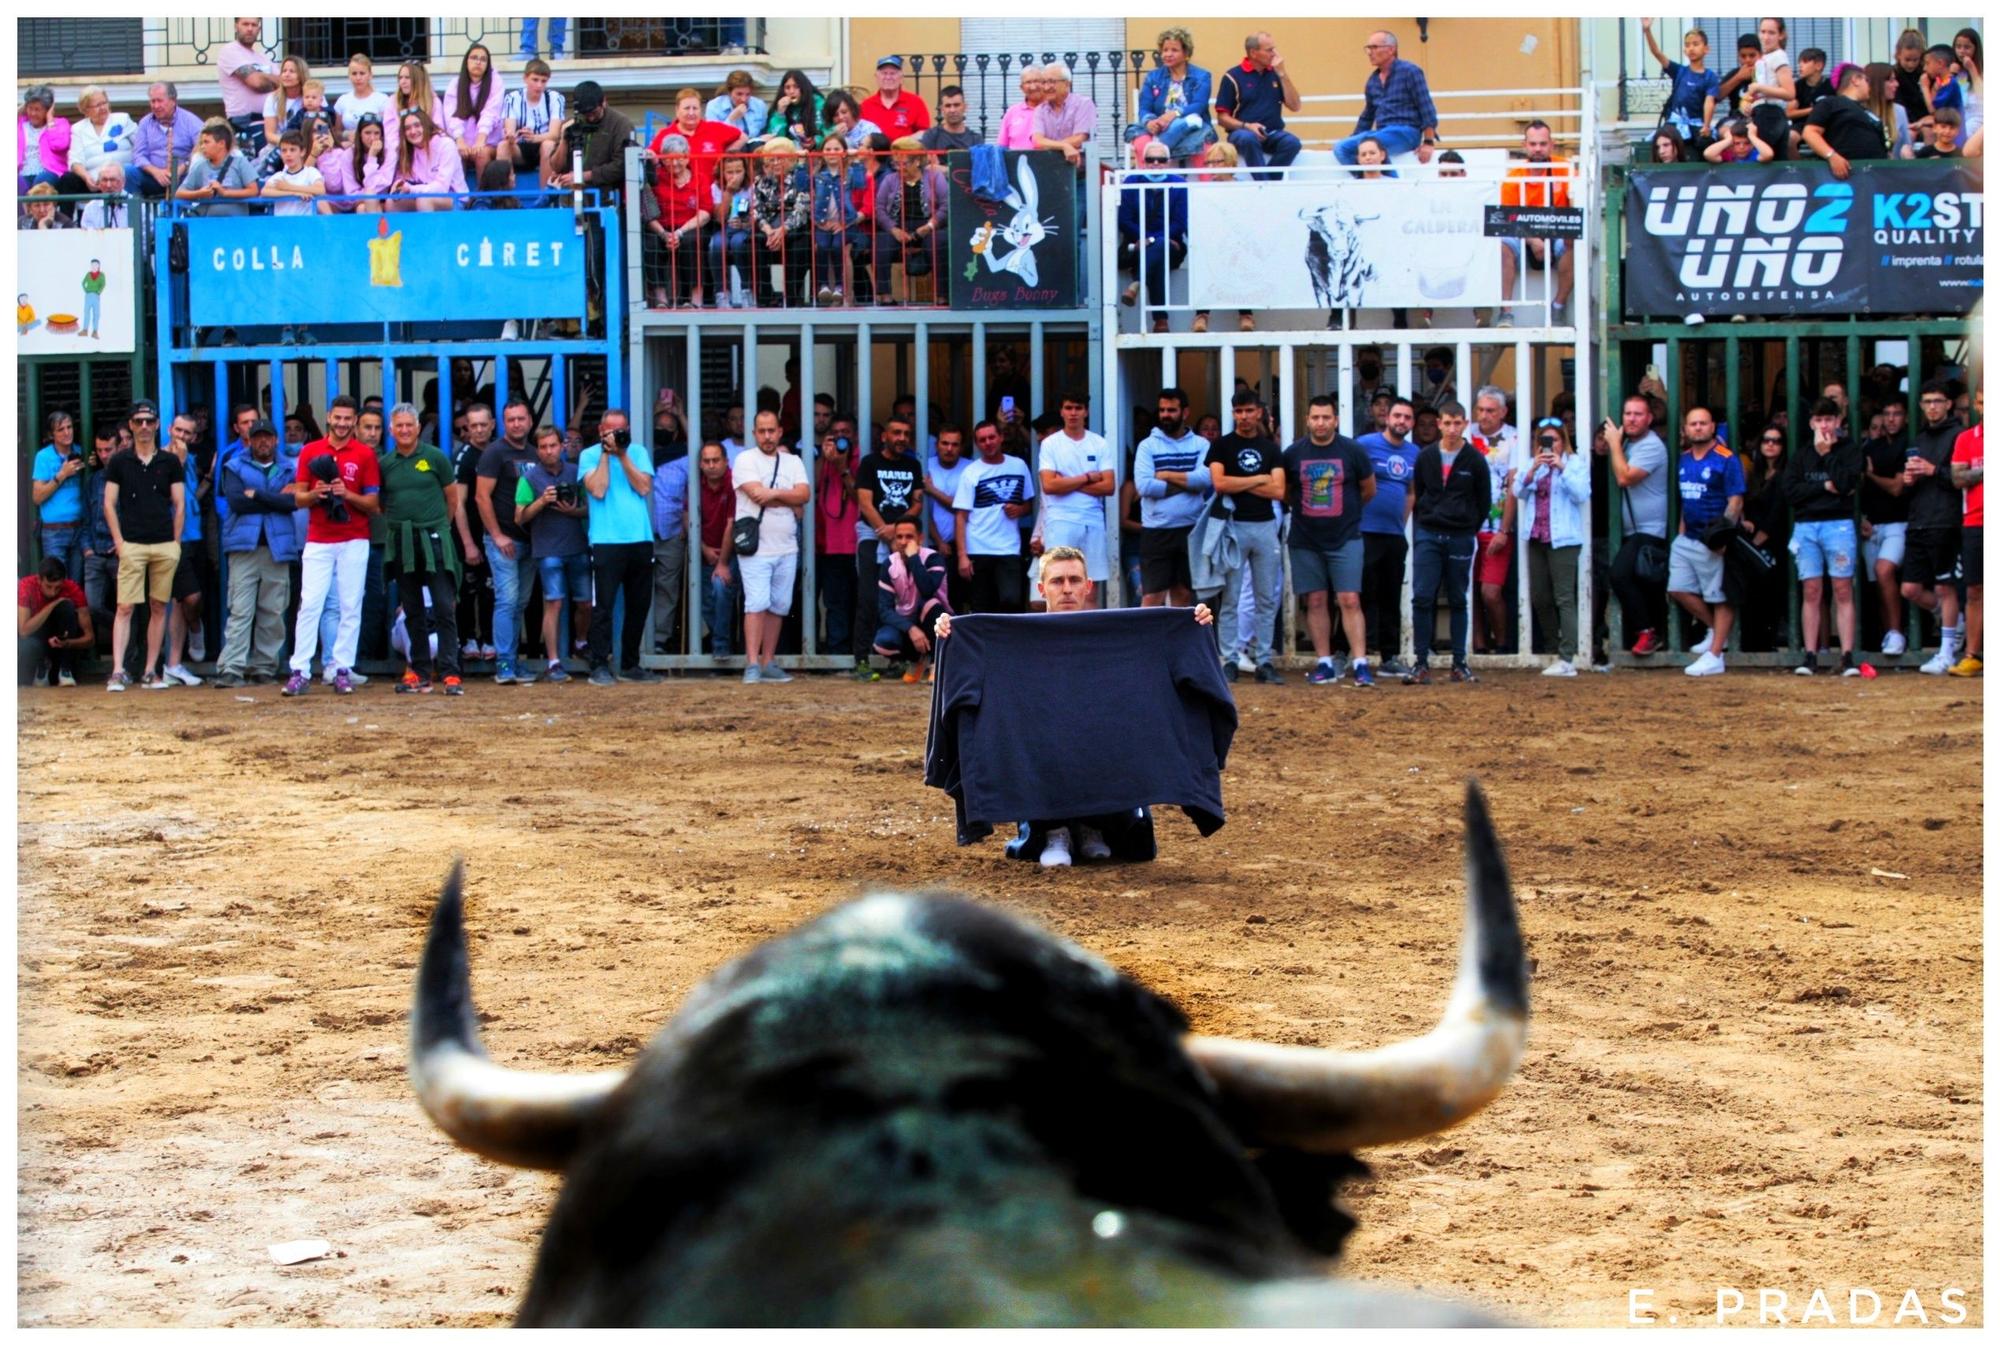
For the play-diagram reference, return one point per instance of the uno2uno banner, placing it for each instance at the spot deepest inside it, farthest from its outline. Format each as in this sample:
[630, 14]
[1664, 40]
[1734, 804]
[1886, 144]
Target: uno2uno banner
[1341, 244]
[400, 267]
[1790, 239]
[1020, 251]
[76, 296]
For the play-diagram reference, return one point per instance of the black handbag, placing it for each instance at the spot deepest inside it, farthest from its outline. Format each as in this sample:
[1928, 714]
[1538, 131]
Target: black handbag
[743, 533]
[1649, 558]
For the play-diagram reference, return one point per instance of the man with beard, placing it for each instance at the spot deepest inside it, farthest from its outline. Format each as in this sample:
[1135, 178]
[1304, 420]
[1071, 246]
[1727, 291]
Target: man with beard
[1712, 487]
[1384, 516]
[1174, 487]
[508, 552]
[472, 429]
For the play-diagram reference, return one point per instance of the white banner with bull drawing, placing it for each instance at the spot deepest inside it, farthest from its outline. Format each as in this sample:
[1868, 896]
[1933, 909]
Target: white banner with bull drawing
[1341, 244]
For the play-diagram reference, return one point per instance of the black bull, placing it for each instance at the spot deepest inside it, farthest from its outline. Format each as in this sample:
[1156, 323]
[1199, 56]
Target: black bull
[924, 1111]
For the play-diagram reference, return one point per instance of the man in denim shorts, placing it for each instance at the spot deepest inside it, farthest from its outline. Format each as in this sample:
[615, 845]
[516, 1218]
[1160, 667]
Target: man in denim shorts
[1820, 481]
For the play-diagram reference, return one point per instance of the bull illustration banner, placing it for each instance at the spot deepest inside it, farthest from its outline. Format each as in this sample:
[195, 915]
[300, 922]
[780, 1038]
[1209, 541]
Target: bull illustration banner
[1341, 244]
[1791, 239]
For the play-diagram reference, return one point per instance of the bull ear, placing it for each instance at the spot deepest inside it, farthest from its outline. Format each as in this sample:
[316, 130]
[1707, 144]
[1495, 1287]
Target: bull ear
[512, 1116]
[1328, 1101]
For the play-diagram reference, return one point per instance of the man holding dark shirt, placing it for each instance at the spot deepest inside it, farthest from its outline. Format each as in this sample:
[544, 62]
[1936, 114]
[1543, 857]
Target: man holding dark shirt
[1452, 490]
[1330, 478]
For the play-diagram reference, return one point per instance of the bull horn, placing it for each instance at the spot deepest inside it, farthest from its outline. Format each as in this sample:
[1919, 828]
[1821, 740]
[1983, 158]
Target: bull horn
[512, 1116]
[1330, 1101]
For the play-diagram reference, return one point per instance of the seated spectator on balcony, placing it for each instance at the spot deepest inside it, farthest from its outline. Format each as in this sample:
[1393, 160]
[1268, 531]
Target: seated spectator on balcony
[1738, 143]
[736, 104]
[1690, 106]
[707, 139]
[298, 185]
[672, 218]
[1542, 182]
[282, 105]
[98, 137]
[362, 97]
[798, 113]
[496, 187]
[1371, 161]
[39, 212]
[112, 212]
[836, 216]
[1735, 85]
[423, 173]
[781, 224]
[1395, 105]
[413, 90]
[219, 179]
[843, 114]
[165, 136]
[1841, 128]
[531, 119]
[910, 213]
[474, 106]
[1889, 115]
[1668, 147]
[895, 111]
[1251, 100]
[44, 142]
[606, 133]
[1017, 124]
[951, 133]
[1946, 123]
[729, 240]
[1174, 101]
[1554, 490]
[1152, 228]
[52, 626]
[346, 170]
[1065, 119]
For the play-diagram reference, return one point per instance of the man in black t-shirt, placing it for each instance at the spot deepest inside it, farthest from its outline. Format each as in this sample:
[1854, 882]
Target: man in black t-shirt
[1329, 478]
[1252, 476]
[1841, 130]
[888, 489]
[1885, 518]
[145, 504]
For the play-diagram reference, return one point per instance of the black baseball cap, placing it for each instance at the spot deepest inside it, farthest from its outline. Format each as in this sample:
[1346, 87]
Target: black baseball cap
[262, 427]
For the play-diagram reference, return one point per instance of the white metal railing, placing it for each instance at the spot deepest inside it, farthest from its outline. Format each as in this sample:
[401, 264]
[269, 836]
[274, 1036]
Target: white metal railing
[1562, 108]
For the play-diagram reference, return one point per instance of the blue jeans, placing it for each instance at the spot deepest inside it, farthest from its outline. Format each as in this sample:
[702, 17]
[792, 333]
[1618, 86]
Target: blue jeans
[1276, 150]
[1393, 139]
[530, 33]
[1441, 559]
[511, 581]
[1263, 567]
[718, 608]
[91, 305]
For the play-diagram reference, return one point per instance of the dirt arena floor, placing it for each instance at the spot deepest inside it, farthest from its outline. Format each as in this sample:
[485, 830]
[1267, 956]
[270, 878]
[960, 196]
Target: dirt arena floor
[1753, 905]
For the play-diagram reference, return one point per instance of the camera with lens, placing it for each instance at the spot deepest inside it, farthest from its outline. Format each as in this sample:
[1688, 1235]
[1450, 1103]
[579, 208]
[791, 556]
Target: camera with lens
[620, 439]
[566, 495]
[323, 468]
[577, 134]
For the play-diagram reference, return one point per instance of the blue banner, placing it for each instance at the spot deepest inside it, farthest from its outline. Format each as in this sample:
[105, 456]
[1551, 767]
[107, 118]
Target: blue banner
[401, 267]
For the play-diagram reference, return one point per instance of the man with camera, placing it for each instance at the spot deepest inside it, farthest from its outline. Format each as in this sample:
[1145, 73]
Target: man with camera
[618, 475]
[600, 133]
[340, 482]
[550, 505]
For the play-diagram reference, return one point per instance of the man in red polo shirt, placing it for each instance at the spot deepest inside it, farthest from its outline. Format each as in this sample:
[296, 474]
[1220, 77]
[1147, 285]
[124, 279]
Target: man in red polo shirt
[340, 482]
[53, 624]
[897, 113]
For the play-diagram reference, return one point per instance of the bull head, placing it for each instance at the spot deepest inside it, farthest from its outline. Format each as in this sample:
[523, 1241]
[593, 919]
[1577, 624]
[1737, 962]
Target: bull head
[1304, 1098]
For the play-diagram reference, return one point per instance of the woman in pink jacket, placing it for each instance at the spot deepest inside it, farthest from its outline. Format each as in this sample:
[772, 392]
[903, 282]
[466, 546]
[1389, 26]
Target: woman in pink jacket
[423, 172]
[347, 168]
[42, 145]
[472, 110]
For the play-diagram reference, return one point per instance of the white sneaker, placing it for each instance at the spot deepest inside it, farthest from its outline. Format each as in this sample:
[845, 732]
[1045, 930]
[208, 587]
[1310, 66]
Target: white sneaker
[1562, 667]
[1708, 665]
[1243, 663]
[1707, 644]
[1894, 644]
[1055, 849]
[328, 673]
[510, 330]
[1600, 667]
[197, 643]
[1090, 844]
[179, 673]
[1940, 663]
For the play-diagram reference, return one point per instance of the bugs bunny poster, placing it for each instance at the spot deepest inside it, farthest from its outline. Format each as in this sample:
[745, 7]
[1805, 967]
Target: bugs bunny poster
[1017, 251]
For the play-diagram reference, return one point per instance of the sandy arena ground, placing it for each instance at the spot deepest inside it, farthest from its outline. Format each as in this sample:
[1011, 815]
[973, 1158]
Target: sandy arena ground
[1754, 908]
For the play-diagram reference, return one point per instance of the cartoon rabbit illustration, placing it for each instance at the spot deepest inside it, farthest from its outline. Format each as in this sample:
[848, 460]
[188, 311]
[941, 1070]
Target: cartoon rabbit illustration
[1024, 232]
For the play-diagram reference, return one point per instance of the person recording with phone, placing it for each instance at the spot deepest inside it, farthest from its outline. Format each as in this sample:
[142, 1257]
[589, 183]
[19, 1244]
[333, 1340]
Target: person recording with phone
[1555, 498]
[618, 476]
[838, 511]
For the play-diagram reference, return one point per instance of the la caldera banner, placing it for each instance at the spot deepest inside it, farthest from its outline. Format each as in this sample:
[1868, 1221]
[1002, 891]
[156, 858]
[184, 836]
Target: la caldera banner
[399, 267]
[1791, 239]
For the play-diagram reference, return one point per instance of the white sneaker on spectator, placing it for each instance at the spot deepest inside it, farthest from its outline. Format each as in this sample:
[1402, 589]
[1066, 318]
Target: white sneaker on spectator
[64, 679]
[1603, 667]
[1708, 665]
[179, 673]
[197, 644]
[1055, 849]
[1893, 644]
[1243, 663]
[1706, 644]
[1940, 663]
[1562, 667]
[1090, 844]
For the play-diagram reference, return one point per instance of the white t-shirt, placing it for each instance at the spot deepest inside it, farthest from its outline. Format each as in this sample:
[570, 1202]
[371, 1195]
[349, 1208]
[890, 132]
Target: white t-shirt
[1768, 66]
[1074, 457]
[983, 489]
[944, 525]
[351, 109]
[296, 205]
[778, 533]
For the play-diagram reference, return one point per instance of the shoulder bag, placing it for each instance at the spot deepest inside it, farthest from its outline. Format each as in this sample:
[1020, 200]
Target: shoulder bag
[743, 533]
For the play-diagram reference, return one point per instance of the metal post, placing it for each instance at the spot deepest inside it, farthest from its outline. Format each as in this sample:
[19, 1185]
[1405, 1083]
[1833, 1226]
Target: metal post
[809, 542]
[1525, 417]
[978, 373]
[697, 571]
[1287, 364]
[1793, 418]
[1672, 439]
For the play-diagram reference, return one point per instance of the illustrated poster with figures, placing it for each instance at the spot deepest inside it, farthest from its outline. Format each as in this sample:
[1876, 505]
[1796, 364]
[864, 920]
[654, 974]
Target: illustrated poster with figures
[1018, 251]
[75, 294]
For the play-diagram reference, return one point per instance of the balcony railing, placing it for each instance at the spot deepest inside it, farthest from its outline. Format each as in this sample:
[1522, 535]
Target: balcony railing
[1109, 79]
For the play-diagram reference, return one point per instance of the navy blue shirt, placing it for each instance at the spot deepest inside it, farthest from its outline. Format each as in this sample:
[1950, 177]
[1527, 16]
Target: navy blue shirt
[1249, 94]
[1707, 483]
[1691, 92]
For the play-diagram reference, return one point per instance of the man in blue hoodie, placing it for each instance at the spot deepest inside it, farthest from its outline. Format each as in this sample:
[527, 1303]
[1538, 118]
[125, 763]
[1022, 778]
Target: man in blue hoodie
[261, 540]
[1174, 488]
